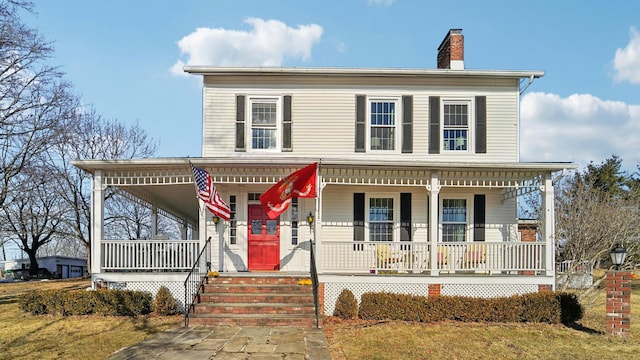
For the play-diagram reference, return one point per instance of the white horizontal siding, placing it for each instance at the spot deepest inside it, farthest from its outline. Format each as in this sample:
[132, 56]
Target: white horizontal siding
[219, 128]
[323, 115]
[337, 212]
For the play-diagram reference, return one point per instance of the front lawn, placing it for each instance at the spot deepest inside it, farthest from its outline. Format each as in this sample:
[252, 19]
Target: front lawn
[25, 336]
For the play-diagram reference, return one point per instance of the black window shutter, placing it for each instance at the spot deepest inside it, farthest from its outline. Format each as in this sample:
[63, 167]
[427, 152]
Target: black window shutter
[481, 124]
[434, 125]
[361, 129]
[358, 217]
[407, 124]
[405, 216]
[240, 146]
[478, 217]
[286, 124]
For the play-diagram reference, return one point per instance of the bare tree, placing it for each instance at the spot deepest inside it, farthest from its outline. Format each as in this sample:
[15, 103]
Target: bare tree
[35, 103]
[595, 210]
[92, 137]
[132, 220]
[33, 212]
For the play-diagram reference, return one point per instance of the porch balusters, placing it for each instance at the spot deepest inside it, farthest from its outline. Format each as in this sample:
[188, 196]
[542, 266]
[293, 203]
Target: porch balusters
[514, 258]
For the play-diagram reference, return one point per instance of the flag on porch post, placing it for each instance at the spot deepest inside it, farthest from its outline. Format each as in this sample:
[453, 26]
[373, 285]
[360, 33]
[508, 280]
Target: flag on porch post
[301, 184]
[208, 193]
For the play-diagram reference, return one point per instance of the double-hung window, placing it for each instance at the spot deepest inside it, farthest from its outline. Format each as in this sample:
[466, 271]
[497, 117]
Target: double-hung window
[383, 123]
[454, 220]
[265, 123]
[455, 125]
[381, 219]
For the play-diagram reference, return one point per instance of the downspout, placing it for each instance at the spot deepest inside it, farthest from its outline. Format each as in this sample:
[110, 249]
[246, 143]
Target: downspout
[522, 90]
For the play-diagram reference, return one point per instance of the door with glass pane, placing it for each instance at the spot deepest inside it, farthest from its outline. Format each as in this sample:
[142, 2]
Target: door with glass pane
[264, 240]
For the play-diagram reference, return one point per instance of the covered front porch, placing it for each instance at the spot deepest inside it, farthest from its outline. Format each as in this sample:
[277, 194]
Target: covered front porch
[166, 186]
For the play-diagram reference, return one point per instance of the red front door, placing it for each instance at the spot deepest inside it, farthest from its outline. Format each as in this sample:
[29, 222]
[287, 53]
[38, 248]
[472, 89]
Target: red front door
[264, 240]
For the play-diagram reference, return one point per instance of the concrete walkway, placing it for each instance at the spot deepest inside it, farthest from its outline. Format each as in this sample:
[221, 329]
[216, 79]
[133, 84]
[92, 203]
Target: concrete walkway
[230, 342]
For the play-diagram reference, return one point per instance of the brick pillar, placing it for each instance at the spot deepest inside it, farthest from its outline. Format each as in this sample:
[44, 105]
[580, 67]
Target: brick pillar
[618, 305]
[320, 302]
[544, 288]
[434, 289]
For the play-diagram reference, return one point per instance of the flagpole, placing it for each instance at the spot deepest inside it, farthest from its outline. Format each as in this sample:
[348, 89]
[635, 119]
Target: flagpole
[314, 243]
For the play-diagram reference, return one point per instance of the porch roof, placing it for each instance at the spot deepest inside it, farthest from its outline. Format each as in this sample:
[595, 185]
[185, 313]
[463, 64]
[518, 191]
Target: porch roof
[147, 179]
[268, 162]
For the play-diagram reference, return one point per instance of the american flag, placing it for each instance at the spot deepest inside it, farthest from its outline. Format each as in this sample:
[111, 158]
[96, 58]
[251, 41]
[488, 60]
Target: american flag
[208, 193]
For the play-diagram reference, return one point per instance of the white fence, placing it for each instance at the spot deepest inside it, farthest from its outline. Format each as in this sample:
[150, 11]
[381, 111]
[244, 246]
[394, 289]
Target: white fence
[522, 258]
[149, 255]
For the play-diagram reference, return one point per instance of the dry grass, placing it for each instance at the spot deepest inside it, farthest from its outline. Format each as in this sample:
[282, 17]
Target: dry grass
[24, 336]
[452, 340]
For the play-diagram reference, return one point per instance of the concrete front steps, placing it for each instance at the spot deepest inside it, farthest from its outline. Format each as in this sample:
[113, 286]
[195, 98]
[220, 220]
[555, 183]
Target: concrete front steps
[250, 299]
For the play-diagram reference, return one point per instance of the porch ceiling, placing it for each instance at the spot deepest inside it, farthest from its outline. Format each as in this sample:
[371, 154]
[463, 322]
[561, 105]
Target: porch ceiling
[179, 200]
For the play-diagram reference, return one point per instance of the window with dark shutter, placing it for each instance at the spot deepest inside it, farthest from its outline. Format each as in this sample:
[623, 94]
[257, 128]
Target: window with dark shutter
[286, 124]
[240, 106]
[481, 124]
[361, 130]
[405, 216]
[434, 125]
[407, 124]
[479, 217]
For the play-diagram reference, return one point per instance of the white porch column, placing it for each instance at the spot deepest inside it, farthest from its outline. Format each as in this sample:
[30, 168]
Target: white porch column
[202, 226]
[97, 221]
[434, 191]
[548, 228]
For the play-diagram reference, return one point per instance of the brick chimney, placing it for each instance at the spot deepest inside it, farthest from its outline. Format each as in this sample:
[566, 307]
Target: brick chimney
[451, 51]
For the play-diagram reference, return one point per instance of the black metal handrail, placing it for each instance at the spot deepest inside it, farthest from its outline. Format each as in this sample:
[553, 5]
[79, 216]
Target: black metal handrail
[193, 285]
[314, 279]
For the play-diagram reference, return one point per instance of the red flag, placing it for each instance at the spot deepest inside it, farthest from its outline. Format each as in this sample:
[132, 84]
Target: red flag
[208, 193]
[301, 184]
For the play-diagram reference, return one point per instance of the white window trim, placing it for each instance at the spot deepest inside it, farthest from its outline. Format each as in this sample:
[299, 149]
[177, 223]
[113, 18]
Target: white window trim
[396, 215]
[469, 101]
[397, 126]
[249, 132]
[469, 224]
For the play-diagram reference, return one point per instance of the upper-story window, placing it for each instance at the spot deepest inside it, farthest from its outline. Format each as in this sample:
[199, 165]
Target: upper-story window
[265, 123]
[383, 122]
[456, 125]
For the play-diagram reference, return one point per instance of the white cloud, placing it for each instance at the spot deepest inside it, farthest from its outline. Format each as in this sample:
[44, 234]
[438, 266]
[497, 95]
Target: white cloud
[627, 61]
[380, 2]
[579, 128]
[266, 44]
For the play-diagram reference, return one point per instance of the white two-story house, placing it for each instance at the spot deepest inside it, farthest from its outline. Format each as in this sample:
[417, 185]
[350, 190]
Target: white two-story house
[418, 183]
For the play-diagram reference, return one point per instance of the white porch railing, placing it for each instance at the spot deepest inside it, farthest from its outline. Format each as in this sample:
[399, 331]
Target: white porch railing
[522, 258]
[149, 255]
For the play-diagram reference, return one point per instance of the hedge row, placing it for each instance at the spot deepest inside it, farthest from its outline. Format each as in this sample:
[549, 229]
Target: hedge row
[544, 307]
[82, 302]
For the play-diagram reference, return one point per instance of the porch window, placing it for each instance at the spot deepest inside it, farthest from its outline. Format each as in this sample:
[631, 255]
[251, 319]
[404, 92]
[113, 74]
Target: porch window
[455, 122]
[454, 220]
[233, 229]
[381, 219]
[265, 120]
[382, 124]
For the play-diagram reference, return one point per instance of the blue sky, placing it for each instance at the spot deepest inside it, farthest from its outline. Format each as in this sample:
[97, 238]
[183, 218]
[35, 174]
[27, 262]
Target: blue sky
[122, 58]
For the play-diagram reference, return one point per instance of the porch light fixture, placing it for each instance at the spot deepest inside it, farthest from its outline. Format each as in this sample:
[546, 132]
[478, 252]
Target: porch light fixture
[216, 219]
[310, 218]
[618, 253]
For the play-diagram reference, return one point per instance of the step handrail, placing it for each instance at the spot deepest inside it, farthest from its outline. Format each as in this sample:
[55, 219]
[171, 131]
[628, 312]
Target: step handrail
[194, 282]
[314, 281]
